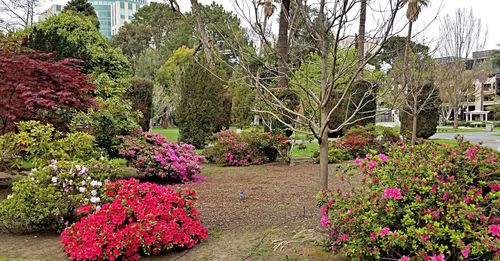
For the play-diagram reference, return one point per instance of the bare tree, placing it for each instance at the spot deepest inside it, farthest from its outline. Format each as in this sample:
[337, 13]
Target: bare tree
[201, 31]
[361, 32]
[461, 33]
[325, 93]
[18, 13]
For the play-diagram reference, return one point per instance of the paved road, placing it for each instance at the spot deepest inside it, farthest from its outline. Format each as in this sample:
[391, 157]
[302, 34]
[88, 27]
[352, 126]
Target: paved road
[487, 138]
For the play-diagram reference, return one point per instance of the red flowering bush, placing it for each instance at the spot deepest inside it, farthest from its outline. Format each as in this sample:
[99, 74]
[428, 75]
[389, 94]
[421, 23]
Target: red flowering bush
[425, 202]
[228, 148]
[143, 219]
[155, 156]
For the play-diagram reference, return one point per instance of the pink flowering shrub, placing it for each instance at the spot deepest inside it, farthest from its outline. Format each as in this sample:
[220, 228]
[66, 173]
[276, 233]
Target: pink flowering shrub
[143, 219]
[154, 156]
[424, 202]
[228, 148]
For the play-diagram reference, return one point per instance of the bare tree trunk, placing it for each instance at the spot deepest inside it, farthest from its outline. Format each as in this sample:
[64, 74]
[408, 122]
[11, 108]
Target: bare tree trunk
[455, 117]
[414, 129]
[323, 152]
[361, 34]
[283, 44]
[200, 27]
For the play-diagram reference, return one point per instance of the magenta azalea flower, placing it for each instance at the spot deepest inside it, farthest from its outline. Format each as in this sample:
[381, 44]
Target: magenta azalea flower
[494, 230]
[384, 231]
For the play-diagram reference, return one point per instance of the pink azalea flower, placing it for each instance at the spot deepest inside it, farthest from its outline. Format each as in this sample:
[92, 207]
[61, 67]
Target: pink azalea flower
[405, 258]
[439, 257]
[495, 187]
[465, 252]
[384, 231]
[382, 157]
[359, 162]
[324, 221]
[394, 193]
[373, 235]
[494, 230]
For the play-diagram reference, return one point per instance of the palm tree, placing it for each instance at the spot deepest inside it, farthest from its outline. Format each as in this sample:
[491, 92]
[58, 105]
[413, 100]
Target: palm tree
[412, 13]
[283, 44]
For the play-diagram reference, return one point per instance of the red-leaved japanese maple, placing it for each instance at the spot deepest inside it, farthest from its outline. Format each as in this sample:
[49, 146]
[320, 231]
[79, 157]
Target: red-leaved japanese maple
[35, 86]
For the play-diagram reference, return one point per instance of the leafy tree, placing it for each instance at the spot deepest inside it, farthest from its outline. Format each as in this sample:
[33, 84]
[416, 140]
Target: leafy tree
[141, 96]
[37, 86]
[200, 110]
[113, 117]
[395, 47]
[133, 38]
[71, 35]
[427, 118]
[82, 7]
[243, 99]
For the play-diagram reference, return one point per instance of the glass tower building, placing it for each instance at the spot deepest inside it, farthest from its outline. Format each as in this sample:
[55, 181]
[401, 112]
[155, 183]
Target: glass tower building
[112, 14]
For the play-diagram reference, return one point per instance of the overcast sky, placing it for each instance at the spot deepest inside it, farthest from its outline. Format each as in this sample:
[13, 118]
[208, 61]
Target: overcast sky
[487, 10]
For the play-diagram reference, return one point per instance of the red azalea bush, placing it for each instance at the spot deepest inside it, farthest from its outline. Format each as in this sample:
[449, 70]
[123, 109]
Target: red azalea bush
[155, 156]
[143, 219]
[425, 202]
[227, 148]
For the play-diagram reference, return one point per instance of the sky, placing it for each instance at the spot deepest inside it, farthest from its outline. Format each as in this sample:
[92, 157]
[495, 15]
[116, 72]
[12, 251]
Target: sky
[427, 24]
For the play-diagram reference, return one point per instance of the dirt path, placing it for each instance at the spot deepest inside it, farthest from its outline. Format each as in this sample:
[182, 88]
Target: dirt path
[278, 219]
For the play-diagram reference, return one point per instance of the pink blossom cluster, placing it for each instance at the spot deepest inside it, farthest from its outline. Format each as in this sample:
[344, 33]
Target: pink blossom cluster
[155, 156]
[394, 193]
[143, 218]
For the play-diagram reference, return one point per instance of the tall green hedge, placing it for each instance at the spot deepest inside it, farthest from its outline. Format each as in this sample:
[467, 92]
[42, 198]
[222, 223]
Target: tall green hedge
[427, 120]
[200, 111]
[361, 92]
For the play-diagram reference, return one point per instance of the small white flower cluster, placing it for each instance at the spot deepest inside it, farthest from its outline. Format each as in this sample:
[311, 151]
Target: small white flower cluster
[95, 183]
[95, 200]
[54, 179]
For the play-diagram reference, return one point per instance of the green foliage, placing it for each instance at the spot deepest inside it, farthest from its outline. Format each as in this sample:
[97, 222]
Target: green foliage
[428, 118]
[242, 102]
[228, 148]
[113, 118]
[141, 96]
[132, 39]
[47, 198]
[200, 111]
[82, 7]
[422, 202]
[335, 155]
[38, 143]
[395, 47]
[72, 35]
[358, 107]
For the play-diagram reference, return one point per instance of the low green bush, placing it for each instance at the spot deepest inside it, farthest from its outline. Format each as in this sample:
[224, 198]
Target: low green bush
[48, 197]
[335, 155]
[39, 143]
[113, 118]
[422, 202]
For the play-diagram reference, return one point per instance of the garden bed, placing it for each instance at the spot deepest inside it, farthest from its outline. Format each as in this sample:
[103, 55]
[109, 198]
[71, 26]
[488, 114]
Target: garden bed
[279, 204]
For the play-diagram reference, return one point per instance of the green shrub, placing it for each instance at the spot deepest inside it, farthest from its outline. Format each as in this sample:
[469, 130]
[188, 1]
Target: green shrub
[200, 112]
[115, 117]
[38, 143]
[428, 119]
[335, 155]
[48, 197]
[141, 96]
[422, 202]
[360, 93]
[228, 148]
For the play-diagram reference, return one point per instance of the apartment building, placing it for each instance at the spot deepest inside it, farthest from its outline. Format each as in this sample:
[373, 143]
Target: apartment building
[52, 10]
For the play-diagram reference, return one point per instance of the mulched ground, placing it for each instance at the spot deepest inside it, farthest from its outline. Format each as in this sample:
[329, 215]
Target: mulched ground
[277, 220]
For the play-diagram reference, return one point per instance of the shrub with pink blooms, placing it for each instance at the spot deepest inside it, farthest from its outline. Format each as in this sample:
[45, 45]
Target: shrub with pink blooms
[143, 219]
[422, 202]
[154, 156]
[227, 148]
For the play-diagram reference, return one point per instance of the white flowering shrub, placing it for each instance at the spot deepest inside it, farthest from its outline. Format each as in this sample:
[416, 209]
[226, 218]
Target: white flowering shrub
[47, 199]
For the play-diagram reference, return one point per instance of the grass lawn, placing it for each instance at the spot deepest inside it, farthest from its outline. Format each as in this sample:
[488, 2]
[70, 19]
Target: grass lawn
[172, 133]
[445, 141]
[451, 130]
[307, 152]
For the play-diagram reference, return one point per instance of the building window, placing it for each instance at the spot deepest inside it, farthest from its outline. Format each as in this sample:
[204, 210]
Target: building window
[58, 8]
[122, 5]
[122, 17]
[129, 6]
